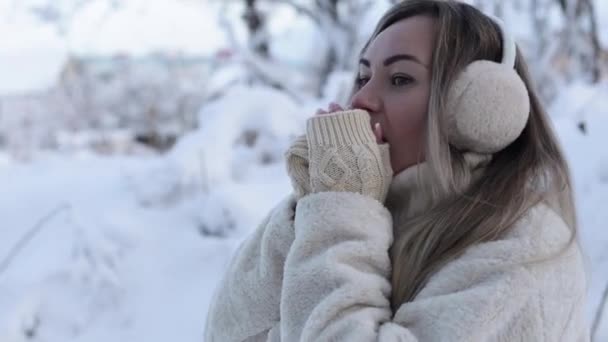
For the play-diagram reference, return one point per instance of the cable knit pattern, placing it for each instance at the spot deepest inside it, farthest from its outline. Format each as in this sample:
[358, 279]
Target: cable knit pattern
[344, 155]
[296, 158]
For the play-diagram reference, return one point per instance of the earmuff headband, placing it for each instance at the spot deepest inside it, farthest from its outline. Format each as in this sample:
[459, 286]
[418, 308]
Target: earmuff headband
[509, 50]
[488, 103]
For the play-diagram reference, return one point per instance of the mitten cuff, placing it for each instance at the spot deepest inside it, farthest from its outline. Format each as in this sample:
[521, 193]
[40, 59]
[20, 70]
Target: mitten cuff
[340, 129]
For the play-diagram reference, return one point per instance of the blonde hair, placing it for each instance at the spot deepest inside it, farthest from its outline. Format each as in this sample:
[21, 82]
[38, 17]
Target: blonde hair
[530, 170]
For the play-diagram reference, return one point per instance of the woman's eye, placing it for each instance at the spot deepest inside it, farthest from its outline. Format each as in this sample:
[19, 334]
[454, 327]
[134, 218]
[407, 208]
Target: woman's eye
[401, 80]
[361, 80]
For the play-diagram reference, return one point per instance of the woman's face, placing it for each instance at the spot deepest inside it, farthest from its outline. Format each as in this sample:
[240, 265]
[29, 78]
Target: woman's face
[393, 85]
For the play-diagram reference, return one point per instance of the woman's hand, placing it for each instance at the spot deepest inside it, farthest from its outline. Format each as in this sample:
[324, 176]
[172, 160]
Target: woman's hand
[351, 160]
[296, 158]
[334, 107]
[345, 154]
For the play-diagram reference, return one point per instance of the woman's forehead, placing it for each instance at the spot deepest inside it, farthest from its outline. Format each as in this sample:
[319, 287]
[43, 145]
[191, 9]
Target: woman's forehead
[412, 36]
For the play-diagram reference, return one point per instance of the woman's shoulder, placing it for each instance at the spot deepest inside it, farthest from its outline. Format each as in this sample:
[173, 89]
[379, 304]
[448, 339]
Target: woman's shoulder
[508, 277]
[533, 255]
[538, 234]
[543, 226]
[549, 248]
[538, 246]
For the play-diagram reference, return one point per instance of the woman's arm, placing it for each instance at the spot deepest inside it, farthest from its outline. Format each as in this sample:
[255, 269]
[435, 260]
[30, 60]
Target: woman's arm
[336, 272]
[245, 306]
[246, 303]
[336, 284]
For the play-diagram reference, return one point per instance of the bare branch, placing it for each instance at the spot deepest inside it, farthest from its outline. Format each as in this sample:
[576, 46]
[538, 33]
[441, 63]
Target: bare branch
[253, 61]
[255, 24]
[595, 41]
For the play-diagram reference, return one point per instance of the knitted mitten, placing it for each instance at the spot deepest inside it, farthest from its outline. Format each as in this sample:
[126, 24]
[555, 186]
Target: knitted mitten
[296, 157]
[344, 155]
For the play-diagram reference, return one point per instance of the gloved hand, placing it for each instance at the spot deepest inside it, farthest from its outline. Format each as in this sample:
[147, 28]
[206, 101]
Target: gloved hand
[344, 155]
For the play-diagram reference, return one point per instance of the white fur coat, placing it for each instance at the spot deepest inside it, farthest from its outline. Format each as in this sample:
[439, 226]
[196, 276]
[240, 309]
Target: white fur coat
[318, 269]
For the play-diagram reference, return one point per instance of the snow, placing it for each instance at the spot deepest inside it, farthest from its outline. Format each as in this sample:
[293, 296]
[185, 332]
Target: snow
[137, 244]
[30, 57]
[589, 166]
[218, 145]
[602, 12]
[141, 27]
[32, 51]
[131, 248]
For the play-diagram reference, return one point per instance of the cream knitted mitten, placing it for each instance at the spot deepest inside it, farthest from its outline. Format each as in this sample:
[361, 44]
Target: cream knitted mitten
[296, 157]
[344, 156]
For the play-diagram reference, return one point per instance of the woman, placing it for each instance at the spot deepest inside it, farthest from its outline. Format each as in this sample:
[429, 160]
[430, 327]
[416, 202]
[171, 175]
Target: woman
[462, 230]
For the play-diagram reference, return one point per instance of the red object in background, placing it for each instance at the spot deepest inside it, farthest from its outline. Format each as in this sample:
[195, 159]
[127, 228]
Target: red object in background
[224, 54]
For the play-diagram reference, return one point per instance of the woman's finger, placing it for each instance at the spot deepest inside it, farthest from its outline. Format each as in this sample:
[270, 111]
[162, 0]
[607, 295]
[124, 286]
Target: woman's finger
[334, 107]
[378, 133]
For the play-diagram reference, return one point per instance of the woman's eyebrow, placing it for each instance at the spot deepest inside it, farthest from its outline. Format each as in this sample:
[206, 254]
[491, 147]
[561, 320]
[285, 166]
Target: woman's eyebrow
[392, 59]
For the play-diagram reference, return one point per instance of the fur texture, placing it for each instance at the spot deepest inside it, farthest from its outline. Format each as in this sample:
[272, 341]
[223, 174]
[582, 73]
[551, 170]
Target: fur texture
[246, 303]
[488, 107]
[318, 270]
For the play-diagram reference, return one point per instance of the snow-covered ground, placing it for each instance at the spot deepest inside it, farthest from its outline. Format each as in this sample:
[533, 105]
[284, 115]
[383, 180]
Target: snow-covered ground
[118, 248]
[588, 160]
[129, 249]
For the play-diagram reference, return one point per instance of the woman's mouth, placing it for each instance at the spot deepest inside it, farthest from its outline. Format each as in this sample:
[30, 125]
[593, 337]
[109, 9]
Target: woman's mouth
[379, 133]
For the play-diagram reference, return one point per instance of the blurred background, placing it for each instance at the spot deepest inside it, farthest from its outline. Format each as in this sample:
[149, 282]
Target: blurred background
[142, 140]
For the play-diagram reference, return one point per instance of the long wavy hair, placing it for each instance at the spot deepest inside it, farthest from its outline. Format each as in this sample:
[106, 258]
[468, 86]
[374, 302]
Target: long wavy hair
[530, 170]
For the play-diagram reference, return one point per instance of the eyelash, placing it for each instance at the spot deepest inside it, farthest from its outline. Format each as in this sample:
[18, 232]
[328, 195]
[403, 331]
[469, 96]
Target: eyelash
[360, 81]
[403, 77]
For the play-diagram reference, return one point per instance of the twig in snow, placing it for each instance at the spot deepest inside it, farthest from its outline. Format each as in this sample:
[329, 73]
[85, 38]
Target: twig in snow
[31, 233]
[599, 313]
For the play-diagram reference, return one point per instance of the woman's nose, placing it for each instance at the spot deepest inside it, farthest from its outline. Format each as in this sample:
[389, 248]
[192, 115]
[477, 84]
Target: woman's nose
[366, 99]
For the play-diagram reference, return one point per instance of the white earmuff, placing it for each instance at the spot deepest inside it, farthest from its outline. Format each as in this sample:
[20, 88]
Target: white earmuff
[488, 104]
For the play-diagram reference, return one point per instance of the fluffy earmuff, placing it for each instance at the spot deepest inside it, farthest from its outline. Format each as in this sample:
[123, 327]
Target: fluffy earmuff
[488, 104]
